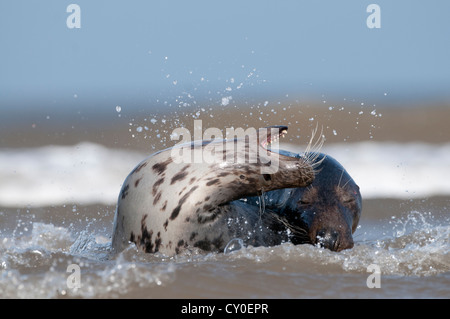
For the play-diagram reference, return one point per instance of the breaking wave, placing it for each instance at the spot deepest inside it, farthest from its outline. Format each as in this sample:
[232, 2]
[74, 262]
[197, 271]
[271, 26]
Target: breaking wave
[89, 173]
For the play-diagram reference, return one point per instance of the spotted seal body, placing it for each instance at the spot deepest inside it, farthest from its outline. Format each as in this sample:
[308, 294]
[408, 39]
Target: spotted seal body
[167, 203]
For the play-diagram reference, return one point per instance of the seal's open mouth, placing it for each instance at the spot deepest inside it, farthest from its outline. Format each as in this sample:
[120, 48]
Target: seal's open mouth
[272, 134]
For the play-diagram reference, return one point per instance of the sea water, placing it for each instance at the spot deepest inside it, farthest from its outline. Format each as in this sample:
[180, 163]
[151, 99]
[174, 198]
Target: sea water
[57, 205]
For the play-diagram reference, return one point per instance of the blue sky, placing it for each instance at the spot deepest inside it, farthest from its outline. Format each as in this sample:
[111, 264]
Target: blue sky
[163, 50]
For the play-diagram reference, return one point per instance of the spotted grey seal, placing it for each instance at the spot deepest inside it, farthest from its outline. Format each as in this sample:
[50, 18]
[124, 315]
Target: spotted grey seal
[167, 204]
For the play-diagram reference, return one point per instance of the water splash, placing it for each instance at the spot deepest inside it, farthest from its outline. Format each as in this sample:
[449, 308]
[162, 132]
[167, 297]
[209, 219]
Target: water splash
[34, 264]
[233, 245]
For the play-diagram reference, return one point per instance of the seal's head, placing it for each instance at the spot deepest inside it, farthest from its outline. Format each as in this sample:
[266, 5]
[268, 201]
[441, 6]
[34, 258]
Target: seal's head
[327, 212]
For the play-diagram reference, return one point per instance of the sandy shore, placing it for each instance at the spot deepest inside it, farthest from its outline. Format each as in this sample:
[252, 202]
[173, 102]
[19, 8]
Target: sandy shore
[144, 131]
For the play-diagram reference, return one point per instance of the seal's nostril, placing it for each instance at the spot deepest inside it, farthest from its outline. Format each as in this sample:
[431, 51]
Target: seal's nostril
[328, 239]
[321, 233]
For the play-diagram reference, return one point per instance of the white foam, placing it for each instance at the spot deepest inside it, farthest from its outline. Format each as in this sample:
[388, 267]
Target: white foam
[52, 175]
[89, 173]
[396, 170]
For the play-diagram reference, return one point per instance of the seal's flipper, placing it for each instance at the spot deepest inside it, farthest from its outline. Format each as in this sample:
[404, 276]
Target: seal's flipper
[269, 171]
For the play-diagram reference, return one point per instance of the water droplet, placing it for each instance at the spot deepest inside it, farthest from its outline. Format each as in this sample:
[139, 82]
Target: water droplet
[234, 244]
[226, 100]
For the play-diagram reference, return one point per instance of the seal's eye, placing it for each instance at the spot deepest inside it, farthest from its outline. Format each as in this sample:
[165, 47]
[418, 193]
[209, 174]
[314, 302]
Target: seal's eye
[308, 197]
[348, 200]
[304, 202]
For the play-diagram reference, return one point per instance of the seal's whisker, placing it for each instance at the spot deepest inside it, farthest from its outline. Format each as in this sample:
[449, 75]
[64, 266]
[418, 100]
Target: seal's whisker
[357, 235]
[340, 178]
[296, 230]
[346, 182]
[262, 205]
[312, 151]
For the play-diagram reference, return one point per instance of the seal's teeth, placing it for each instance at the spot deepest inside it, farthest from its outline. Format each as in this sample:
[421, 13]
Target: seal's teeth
[274, 138]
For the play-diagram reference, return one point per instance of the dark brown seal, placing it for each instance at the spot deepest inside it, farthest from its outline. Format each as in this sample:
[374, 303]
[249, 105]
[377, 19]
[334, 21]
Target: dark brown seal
[326, 213]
